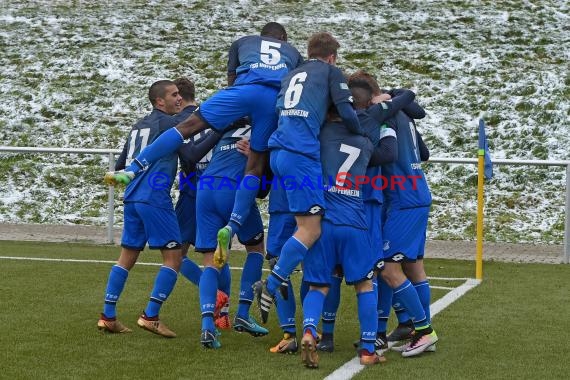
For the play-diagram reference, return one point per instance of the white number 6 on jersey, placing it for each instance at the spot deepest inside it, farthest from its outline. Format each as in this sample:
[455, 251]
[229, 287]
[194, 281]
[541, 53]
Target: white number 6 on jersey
[293, 93]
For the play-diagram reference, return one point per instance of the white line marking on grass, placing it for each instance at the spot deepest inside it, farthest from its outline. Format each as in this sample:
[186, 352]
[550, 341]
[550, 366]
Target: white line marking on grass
[441, 287]
[449, 278]
[349, 369]
[90, 261]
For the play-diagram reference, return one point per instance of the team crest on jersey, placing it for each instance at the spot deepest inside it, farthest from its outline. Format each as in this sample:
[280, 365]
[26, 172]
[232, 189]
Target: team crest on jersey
[386, 245]
[344, 86]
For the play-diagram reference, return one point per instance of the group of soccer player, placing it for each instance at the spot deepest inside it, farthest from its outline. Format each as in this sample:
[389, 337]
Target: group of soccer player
[320, 140]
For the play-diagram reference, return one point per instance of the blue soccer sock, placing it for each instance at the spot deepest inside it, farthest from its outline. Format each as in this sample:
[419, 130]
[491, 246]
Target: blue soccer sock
[292, 253]
[163, 285]
[115, 285]
[286, 310]
[409, 298]
[251, 274]
[424, 294]
[303, 290]
[385, 295]
[166, 143]
[190, 270]
[330, 307]
[208, 289]
[367, 316]
[244, 199]
[401, 313]
[312, 310]
[225, 285]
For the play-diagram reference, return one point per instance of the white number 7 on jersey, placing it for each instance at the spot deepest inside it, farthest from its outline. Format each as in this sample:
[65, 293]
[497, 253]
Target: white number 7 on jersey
[353, 154]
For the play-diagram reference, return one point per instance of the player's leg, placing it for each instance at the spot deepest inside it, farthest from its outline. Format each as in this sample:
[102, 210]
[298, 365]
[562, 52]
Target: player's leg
[163, 233]
[133, 241]
[281, 227]
[312, 310]
[258, 102]
[367, 316]
[385, 296]
[307, 204]
[222, 316]
[251, 235]
[318, 266]
[416, 273]
[212, 208]
[186, 215]
[207, 289]
[355, 255]
[115, 284]
[330, 308]
[293, 252]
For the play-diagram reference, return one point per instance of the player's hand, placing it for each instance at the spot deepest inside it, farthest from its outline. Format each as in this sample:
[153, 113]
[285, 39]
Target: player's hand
[242, 146]
[381, 98]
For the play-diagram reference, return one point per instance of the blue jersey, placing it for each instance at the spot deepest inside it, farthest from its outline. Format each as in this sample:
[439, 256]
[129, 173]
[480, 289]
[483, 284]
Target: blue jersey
[407, 186]
[226, 161]
[344, 157]
[305, 96]
[189, 167]
[372, 120]
[153, 184]
[262, 60]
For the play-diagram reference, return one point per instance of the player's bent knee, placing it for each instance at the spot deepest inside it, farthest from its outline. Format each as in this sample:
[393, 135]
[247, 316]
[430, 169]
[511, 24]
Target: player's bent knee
[255, 243]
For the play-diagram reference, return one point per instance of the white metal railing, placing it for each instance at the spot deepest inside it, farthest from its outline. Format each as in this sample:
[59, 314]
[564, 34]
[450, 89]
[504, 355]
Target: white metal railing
[112, 152]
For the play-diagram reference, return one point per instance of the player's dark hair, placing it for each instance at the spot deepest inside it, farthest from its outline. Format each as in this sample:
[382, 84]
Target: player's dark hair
[321, 45]
[158, 90]
[362, 92]
[371, 79]
[275, 30]
[186, 89]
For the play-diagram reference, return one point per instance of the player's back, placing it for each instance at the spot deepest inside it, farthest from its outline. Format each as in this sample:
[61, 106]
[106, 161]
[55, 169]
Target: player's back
[371, 120]
[305, 96]
[153, 184]
[227, 161]
[407, 185]
[262, 60]
[344, 156]
[192, 169]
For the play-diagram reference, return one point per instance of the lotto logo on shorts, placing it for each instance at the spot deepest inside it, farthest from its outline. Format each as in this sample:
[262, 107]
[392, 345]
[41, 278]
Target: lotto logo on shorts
[315, 210]
[380, 265]
[172, 244]
[398, 257]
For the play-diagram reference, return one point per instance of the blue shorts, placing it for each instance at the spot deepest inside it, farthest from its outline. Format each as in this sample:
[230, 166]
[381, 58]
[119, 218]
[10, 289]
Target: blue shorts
[186, 214]
[254, 100]
[213, 210]
[374, 221]
[346, 246]
[301, 177]
[405, 234]
[277, 198]
[145, 223]
[281, 227]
